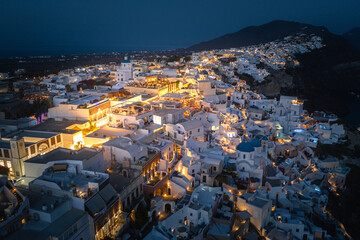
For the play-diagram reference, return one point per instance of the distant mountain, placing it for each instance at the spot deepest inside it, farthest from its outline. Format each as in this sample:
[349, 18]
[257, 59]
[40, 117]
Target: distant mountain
[325, 77]
[275, 30]
[353, 36]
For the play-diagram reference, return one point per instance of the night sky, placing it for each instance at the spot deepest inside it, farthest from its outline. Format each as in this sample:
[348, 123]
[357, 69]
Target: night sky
[52, 27]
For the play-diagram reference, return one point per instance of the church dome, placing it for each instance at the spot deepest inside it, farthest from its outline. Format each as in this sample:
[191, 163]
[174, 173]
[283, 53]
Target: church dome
[256, 142]
[245, 147]
[125, 61]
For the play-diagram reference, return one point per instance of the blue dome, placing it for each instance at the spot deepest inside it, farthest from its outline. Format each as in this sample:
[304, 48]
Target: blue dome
[256, 142]
[204, 72]
[125, 61]
[245, 147]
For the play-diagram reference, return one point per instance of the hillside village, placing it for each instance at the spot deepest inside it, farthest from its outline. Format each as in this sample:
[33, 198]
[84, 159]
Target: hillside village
[181, 149]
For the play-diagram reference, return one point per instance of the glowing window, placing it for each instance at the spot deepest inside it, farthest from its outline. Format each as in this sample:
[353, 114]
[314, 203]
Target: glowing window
[8, 163]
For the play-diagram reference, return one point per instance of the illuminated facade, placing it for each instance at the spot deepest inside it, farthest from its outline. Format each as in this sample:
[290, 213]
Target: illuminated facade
[24, 145]
[88, 108]
[136, 114]
[156, 85]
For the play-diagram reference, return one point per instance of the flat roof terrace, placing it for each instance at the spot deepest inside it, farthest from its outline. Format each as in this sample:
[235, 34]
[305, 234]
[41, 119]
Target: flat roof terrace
[106, 131]
[60, 154]
[67, 181]
[133, 109]
[82, 100]
[95, 104]
[50, 125]
[150, 85]
[32, 134]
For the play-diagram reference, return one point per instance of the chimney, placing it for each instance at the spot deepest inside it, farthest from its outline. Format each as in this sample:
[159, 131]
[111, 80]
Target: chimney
[44, 207]
[289, 234]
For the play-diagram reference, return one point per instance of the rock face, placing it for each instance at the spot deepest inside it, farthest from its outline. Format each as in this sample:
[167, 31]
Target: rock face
[325, 76]
[274, 84]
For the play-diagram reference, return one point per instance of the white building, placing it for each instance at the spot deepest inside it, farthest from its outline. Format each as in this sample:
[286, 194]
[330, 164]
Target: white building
[124, 151]
[85, 158]
[124, 72]
[93, 108]
[167, 115]
[184, 130]
[198, 211]
[259, 208]
[246, 165]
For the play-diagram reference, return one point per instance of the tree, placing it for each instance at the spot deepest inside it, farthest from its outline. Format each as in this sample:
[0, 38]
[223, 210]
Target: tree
[140, 218]
[40, 106]
[187, 59]
[173, 58]
[36, 81]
